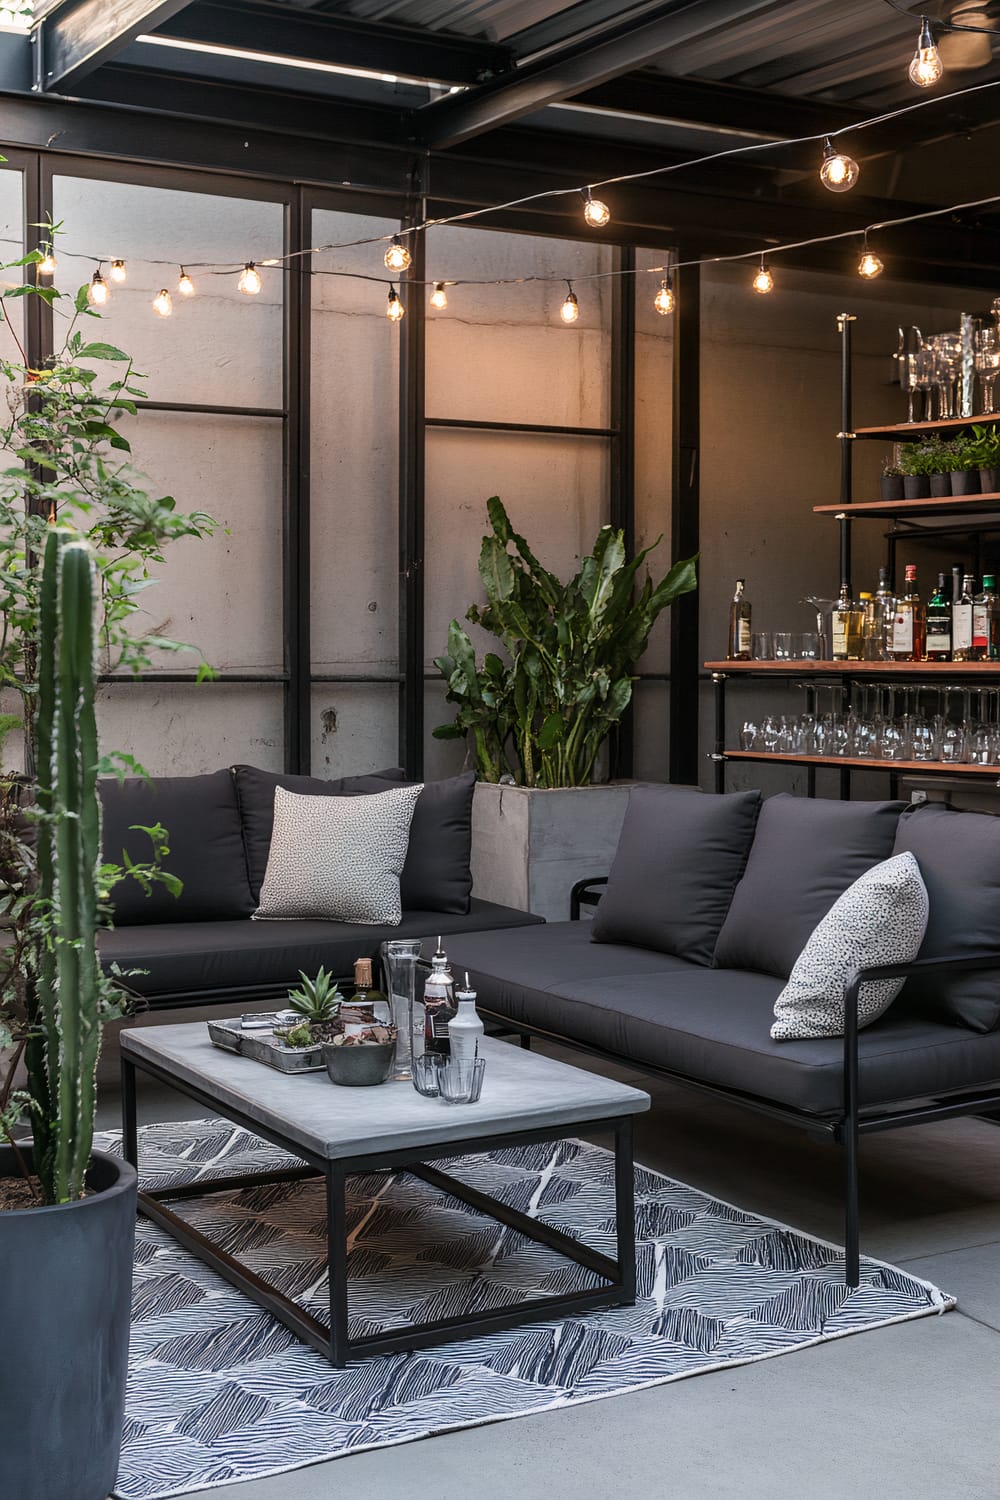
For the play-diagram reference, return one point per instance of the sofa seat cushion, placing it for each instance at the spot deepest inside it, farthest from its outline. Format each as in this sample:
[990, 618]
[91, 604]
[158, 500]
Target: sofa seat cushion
[187, 960]
[806, 852]
[540, 958]
[201, 816]
[679, 858]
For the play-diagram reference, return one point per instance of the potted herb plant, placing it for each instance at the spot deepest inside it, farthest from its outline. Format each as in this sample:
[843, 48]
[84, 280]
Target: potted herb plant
[984, 448]
[891, 481]
[77, 536]
[964, 467]
[536, 717]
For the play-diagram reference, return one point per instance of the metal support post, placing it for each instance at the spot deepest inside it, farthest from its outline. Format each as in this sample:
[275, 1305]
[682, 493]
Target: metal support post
[685, 524]
[846, 436]
[719, 749]
[412, 432]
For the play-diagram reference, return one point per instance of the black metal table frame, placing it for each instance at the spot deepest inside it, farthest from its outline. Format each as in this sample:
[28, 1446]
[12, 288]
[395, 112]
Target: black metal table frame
[334, 1341]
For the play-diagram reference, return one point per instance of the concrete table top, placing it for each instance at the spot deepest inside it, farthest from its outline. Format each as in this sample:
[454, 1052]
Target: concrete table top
[521, 1091]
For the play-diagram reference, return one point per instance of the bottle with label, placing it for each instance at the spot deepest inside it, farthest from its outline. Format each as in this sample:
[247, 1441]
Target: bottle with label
[739, 625]
[439, 1004]
[983, 614]
[358, 1012]
[939, 622]
[846, 627]
[885, 607]
[961, 623]
[909, 623]
[465, 1029]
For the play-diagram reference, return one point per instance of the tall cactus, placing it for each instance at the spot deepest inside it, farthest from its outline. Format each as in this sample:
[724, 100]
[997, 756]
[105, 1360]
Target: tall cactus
[68, 989]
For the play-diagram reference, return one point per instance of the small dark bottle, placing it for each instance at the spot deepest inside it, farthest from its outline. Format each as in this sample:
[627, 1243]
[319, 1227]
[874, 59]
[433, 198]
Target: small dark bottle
[739, 645]
[439, 1004]
[939, 622]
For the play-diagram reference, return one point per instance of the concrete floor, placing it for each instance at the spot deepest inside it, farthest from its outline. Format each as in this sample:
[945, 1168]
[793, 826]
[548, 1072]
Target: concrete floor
[910, 1412]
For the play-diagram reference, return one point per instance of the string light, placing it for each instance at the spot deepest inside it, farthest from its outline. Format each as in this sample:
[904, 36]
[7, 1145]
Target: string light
[439, 297]
[665, 301]
[397, 256]
[185, 285]
[97, 291]
[763, 282]
[163, 303]
[249, 282]
[870, 265]
[839, 172]
[48, 264]
[596, 213]
[570, 310]
[395, 309]
[118, 270]
[926, 67]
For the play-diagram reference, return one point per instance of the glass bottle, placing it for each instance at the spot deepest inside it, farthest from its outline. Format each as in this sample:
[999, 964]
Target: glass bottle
[358, 1012]
[438, 1005]
[399, 963]
[846, 627]
[909, 622]
[961, 623]
[871, 627]
[983, 611]
[739, 625]
[939, 622]
[465, 1029]
[885, 605]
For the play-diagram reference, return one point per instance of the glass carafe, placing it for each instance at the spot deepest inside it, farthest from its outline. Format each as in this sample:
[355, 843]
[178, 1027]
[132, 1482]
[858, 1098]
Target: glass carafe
[399, 960]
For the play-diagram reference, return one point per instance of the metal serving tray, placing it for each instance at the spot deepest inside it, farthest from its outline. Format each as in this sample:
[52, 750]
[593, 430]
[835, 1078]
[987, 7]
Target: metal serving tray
[262, 1047]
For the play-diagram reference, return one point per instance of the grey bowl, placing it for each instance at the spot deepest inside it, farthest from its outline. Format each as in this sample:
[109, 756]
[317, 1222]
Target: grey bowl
[357, 1066]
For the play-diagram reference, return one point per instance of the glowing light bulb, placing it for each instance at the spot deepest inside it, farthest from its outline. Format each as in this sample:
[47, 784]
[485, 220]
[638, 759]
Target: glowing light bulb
[839, 172]
[926, 67]
[185, 285]
[249, 282]
[596, 213]
[97, 291]
[870, 266]
[163, 303]
[395, 309]
[439, 297]
[118, 270]
[763, 282]
[48, 263]
[570, 310]
[397, 257]
[665, 301]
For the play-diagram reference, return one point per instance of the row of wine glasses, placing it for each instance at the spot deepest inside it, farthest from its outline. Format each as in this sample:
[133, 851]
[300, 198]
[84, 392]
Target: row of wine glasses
[930, 369]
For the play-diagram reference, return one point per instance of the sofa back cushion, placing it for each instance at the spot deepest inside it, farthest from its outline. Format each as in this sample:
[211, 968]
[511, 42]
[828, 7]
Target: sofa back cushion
[806, 852]
[437, 875]
[959, 858]
[679, 858]
[202, 820]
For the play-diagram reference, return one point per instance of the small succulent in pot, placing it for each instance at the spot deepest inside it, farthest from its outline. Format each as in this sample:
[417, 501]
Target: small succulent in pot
[317, 1002]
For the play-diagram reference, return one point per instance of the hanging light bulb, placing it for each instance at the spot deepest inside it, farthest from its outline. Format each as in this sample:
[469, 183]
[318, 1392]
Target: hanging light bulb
[48, 263]
[185, 285]
[870, 265]
[249, 281]
[763, 282]
[395, 309]
[397, 257]
[163, 303]
[118, 270]
[926, 67]
[439, 297]
[839, 171]
[596, 213]
[665, 301]
[97, 291]
[570, 310]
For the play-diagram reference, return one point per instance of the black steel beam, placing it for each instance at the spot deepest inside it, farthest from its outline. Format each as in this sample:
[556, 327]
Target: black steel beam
[75, 42]
[621, 506]
[296, 570]
[412, 434]
[723, 106]
[685, 525]
[314, 36]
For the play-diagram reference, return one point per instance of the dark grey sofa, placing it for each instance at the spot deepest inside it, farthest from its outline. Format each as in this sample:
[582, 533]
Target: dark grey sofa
[202, 947]
[703, 914]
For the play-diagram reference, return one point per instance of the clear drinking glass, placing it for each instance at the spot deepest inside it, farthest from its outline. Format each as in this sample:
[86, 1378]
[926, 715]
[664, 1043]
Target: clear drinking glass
[399, 961]
[761, 646]
[748, 735]
[461, 1082]
[987, 360]
[784, 646]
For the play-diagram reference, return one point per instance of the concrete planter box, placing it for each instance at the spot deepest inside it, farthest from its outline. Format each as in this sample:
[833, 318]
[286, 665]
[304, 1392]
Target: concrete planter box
[529, 846]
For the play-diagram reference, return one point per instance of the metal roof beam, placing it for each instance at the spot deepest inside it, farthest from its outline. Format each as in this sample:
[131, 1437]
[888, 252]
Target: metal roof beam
[724, 106]
[75, 42]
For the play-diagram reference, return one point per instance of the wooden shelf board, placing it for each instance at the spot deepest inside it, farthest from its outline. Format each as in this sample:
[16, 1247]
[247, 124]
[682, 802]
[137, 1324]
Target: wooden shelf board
[867, 763]
[946, 505]
[858, 668]
[902, 430]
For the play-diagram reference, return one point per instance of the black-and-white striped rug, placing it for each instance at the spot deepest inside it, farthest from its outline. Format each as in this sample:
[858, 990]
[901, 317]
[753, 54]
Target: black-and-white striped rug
[219, 1392]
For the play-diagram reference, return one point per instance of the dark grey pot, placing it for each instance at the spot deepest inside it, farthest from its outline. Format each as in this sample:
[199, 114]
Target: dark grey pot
[65, 1299]
[916, 486]
[964, 481]
[940, 485]
[891, 487]
[989, 481]
[359, 1066]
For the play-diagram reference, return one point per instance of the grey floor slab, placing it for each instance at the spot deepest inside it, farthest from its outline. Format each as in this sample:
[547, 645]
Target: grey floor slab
[976, 1270]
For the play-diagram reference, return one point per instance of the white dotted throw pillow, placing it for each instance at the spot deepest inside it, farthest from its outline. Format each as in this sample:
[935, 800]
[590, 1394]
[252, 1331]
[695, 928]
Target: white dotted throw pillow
[880, 919]
[338, 858]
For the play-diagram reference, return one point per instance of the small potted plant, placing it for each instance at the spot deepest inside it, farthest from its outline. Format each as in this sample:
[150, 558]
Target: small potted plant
[984, 447]
[316, 1003]
[963, 474]
[891, 482]
[913, 465]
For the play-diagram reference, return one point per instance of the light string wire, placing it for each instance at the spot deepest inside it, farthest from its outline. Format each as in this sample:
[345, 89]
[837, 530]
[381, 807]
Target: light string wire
[942, 25]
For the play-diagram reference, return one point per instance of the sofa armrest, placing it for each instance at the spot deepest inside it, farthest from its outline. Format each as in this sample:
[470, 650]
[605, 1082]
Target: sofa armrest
[584, 894]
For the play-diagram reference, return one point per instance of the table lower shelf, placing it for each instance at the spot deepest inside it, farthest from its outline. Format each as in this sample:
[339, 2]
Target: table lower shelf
[867, 763]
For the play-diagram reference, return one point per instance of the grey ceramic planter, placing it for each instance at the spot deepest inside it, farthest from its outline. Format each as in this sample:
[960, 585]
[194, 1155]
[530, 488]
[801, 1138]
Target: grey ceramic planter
[65, 1300]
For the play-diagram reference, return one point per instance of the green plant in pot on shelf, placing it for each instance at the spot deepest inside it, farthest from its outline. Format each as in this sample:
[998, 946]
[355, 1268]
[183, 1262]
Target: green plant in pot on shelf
[963, 466]
[983, 448]
[540, 714]
[925, 466]
[891, 480]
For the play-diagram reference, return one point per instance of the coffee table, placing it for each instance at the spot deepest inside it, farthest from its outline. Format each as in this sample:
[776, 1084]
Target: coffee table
[335, 1132]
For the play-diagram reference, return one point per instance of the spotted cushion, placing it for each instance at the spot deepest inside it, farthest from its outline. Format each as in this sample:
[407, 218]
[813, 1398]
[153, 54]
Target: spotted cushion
[880, 919]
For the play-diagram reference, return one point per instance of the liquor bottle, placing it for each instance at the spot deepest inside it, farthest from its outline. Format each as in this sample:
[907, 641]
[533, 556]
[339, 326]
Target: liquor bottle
[739, 625]
[909, 623]
[983, 612]
[357, 1013]
[465, 1029]
[939, 622]
[885, 607]
[439, 1004]
[871, 627]
[961, 623]
[846, 627]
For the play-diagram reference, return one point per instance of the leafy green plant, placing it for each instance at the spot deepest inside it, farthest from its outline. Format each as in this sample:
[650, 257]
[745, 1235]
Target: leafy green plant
[983, 447]
[929, 456]
[963, 456]
[542, 715]
[316, 1000]
[890, 469]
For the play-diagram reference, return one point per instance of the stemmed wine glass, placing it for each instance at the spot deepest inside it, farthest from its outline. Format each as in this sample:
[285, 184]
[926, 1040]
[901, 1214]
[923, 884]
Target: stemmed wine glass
[987, 361]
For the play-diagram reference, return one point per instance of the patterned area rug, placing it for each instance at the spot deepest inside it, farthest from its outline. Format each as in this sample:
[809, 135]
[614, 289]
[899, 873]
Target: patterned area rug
[220, 1393]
